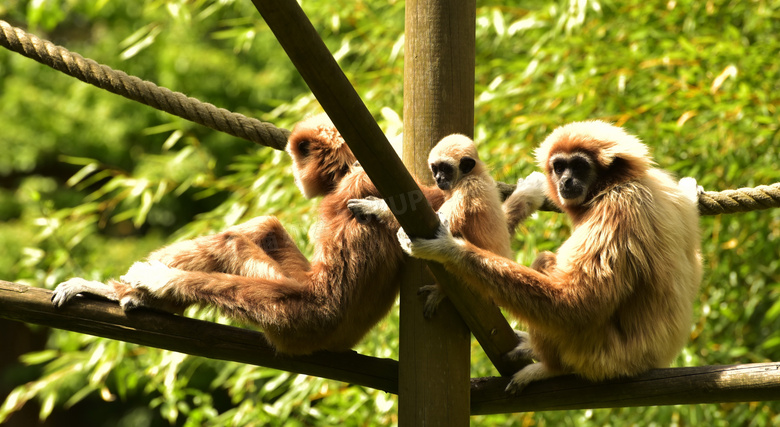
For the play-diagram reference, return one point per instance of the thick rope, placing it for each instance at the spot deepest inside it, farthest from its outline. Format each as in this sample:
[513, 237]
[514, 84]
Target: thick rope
[741, 200]
[145, 92]
[176, 103]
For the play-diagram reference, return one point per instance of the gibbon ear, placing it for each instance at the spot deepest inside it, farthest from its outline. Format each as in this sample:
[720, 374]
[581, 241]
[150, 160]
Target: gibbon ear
[466, 164]
[303, 148]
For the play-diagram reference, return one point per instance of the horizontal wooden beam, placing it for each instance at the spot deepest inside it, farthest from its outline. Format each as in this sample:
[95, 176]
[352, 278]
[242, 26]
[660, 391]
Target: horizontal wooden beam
[672, 386]
[196, 337]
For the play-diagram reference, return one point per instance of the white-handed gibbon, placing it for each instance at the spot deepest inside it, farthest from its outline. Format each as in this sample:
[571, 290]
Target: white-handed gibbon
[616, 300]
[255, 273]
[472, 205]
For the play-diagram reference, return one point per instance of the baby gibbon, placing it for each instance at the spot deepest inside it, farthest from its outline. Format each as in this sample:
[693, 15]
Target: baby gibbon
[616, 300]
[472, 205]
[255, 273]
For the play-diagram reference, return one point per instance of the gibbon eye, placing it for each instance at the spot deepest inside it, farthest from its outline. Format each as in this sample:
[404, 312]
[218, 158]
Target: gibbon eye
[434, 168]
[559, 166]
[445, 168]
[579, 165]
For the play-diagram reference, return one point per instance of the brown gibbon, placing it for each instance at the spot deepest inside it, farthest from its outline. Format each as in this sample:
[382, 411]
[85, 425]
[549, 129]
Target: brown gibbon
[472, 206]
[616, 300]
[255, 273]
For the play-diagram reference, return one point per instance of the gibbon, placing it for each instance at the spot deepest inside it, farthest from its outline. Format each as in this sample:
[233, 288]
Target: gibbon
[616, 300]
[472, 205]
[255, 273]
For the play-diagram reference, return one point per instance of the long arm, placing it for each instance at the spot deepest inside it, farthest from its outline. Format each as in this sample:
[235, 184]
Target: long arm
[531, 295]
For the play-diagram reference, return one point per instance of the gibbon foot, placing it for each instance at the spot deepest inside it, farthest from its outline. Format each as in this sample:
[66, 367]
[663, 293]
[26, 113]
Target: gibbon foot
[369, 207]
[434, 297]
[527, 375]
[544, 262]
[523, 350]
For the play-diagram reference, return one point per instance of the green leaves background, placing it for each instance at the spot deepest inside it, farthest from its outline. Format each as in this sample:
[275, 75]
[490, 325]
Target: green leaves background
[90, 182]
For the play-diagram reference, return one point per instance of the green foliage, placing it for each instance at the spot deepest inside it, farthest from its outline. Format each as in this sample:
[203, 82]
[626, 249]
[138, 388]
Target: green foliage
[90, 182]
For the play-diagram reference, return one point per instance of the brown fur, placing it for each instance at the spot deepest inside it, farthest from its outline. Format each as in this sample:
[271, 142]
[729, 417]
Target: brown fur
[617, 299]
[254, 272]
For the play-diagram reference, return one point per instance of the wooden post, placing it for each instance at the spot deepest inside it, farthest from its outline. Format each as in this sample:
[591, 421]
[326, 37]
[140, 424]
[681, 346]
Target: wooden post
[438, 100]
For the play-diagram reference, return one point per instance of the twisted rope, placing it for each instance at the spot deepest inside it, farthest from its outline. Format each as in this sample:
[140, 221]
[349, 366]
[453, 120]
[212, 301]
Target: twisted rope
[741, 200]
[145, 92]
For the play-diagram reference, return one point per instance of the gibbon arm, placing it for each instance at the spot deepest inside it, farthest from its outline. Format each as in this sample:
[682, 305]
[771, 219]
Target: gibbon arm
[531, 295]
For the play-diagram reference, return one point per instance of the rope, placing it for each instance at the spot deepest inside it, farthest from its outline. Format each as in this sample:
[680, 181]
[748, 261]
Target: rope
[741, 200]
[145, 92]
[266, 134]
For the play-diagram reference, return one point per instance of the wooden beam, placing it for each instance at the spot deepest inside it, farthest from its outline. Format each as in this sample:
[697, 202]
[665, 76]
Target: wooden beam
[345, 108]
[170, 332]
[672, 386]
[434, 358]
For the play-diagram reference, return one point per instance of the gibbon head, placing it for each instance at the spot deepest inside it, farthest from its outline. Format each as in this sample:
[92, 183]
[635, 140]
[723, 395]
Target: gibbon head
[582, 159]
[319, 154]
[454, 157]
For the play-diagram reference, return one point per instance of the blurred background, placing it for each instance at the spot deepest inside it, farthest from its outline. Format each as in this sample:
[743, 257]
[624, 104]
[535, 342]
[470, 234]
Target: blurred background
[90, 182]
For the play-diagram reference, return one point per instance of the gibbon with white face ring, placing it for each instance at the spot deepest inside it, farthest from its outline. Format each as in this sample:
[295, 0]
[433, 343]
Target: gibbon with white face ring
[254, 272]
[472, 205]
[616, 300]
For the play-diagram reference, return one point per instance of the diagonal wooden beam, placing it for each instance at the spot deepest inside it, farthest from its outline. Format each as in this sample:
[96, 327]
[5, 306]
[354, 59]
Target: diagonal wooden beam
[349, 114]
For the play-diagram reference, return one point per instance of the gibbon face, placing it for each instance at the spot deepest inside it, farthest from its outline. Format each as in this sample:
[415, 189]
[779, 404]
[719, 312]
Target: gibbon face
[583, 158]
[320, 156]
[573, 175]
[451, 159]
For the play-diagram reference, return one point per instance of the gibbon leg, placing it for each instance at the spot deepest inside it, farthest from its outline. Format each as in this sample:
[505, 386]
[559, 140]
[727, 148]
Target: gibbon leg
[265, 301]
[268, 234]
[261, 239]
[545, 262]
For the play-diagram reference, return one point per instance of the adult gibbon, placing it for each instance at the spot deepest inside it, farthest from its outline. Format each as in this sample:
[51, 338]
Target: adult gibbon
[616, 299]
[472, 205]
[255, 273]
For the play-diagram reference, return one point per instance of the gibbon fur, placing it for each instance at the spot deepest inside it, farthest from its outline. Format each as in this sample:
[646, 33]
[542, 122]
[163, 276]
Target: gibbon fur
[616, 299]
[255, 273]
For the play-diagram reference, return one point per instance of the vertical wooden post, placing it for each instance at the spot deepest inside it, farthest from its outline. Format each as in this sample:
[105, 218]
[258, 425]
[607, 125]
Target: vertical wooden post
[438, 100]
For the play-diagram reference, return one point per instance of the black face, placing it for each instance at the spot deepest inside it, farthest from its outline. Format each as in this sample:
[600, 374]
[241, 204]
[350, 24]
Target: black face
[444, 174]
[574, 173]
